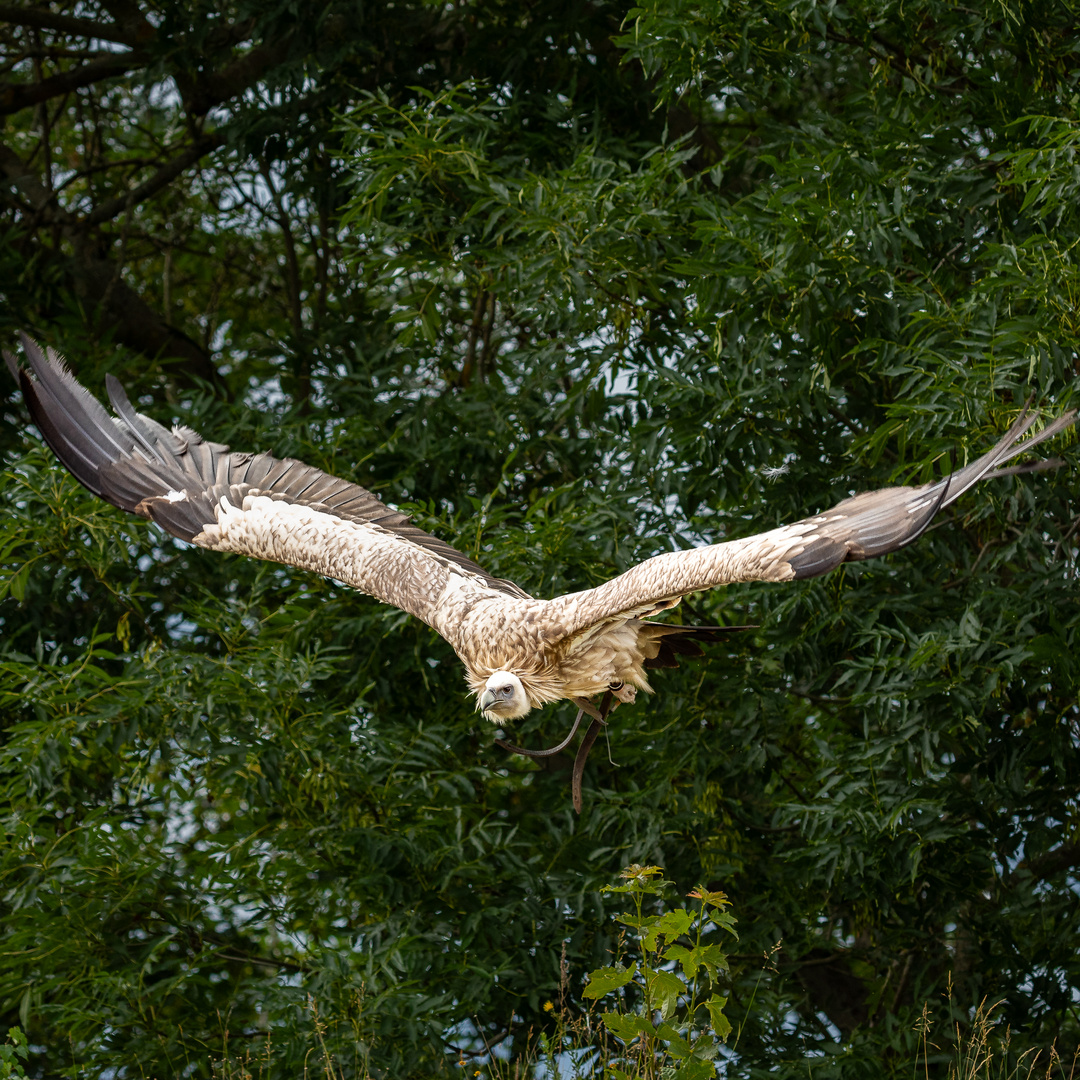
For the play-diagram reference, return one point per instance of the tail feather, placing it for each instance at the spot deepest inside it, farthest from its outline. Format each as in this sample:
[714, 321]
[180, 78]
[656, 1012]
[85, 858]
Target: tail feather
[664, 643]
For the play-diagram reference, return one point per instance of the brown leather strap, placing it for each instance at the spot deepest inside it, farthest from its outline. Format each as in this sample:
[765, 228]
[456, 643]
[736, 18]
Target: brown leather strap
[544, 753]
[584, 748]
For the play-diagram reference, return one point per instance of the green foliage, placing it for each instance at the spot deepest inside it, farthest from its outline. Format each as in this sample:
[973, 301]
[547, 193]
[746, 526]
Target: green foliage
[13, 1053]
[572, 284]
[677, 1017]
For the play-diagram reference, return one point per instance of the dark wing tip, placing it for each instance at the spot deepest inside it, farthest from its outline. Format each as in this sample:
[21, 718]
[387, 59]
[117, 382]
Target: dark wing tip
[878, 522]
[819, 557]
[134, 463]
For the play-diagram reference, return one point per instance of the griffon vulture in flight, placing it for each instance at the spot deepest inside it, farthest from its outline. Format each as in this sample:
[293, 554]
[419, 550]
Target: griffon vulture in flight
[519, 652]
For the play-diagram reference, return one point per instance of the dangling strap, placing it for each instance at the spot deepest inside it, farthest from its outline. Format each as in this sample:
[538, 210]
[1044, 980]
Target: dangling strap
[585, 747]
[599, 721]
[551, 750]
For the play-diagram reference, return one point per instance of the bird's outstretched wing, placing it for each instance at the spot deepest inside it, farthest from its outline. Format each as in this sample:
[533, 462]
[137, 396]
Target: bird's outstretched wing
[252, 504]
[869, 524]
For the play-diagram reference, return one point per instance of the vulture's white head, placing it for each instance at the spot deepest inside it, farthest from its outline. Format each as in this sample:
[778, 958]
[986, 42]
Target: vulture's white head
[504, 698]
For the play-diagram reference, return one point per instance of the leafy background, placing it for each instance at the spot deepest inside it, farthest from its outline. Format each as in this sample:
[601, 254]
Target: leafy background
[574, 283]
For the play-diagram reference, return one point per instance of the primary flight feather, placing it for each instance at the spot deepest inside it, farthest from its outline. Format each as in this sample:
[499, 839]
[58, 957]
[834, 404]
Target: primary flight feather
[519, 652]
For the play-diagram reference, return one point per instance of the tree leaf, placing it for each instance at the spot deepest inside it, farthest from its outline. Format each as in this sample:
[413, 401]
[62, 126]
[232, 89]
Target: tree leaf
[720, 1023]
[603, 980]
[664, 991]
[627, 1026]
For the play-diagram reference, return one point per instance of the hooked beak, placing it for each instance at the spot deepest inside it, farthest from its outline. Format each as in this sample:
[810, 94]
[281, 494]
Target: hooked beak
[487, 699]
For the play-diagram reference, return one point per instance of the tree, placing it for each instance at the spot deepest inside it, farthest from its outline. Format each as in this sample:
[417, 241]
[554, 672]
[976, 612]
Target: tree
[573, 284]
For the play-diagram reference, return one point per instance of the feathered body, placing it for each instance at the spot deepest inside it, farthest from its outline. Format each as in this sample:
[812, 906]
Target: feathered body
[519, 652]
[489, 629]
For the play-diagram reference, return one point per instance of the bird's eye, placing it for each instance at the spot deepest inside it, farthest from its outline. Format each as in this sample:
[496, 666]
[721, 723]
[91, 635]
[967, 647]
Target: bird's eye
[509, 690]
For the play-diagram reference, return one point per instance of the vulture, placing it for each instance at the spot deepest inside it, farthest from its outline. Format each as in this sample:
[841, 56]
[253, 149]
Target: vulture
[520, 652]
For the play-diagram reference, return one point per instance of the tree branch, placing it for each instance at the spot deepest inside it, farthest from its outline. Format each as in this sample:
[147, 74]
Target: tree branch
[43, 19]
[26, 180]
[203, 94]
[128, 14]
[17, 96]
[244, 958]
[162, 178]
[465, 377]
[135, 323]
[1051, 862]
[98, 283]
